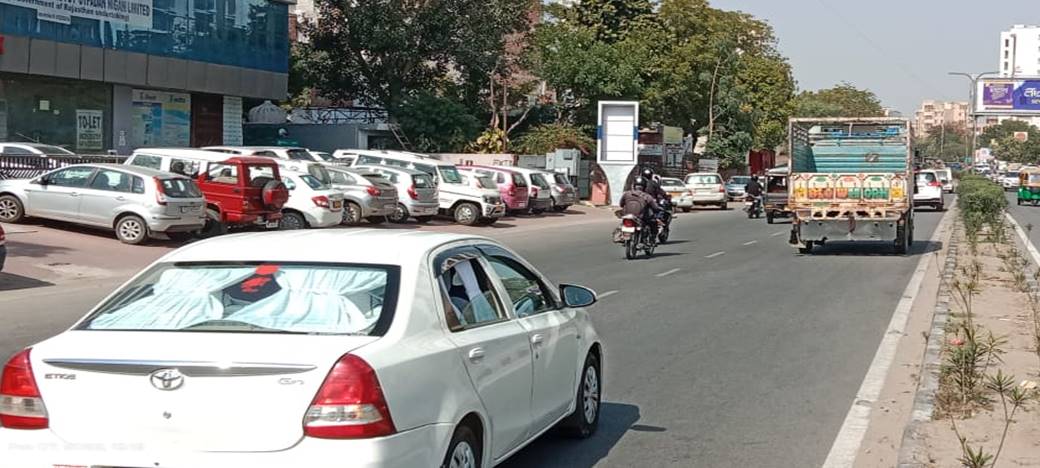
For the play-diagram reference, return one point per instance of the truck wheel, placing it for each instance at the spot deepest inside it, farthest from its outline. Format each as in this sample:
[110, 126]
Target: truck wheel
[807, 249]
[1019, 202]
[901, 243]
[769, 217]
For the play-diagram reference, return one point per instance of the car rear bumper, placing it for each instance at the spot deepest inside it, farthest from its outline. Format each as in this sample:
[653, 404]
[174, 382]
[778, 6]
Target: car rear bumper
[540, 203]
[319, 218]
[379, 207]
[565, 199]
[422, 208]
[703, 199]
[176, 223]
[413, 448]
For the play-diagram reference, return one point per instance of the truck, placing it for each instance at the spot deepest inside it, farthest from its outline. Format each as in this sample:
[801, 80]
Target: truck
[851, 179]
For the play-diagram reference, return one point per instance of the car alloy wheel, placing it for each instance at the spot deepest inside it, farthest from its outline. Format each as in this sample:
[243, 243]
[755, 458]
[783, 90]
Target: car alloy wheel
[291, 221]
[464, 451]
[10, 210]
[399, 215]
[466, 214]
[131, 230]
[590, 395]
[352, 214]
[463, 457]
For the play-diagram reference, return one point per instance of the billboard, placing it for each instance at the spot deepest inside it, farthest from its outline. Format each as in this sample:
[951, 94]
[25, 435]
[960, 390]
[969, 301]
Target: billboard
[1004, 96]
[618, 132]
[134, 13]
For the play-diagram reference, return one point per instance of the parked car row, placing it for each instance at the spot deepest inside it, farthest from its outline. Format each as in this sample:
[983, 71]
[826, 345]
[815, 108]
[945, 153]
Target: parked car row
[176, 192]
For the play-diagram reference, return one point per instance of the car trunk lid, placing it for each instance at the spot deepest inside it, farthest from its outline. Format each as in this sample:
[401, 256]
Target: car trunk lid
[197, 391]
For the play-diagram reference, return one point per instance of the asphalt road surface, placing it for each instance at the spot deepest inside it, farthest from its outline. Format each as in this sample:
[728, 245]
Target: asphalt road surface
[726, 349]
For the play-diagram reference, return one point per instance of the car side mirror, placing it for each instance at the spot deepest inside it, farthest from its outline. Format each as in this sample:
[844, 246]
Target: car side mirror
[577, 296]
[43, 180]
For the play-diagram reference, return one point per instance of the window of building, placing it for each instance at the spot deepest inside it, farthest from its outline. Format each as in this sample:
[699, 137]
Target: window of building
[71, 114]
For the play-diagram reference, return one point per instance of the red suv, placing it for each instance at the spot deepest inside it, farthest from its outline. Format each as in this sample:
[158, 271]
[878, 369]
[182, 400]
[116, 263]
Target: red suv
[239, 190]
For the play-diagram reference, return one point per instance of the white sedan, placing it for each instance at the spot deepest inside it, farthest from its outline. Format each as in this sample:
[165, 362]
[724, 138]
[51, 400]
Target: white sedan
[311, 204]
[405, 349]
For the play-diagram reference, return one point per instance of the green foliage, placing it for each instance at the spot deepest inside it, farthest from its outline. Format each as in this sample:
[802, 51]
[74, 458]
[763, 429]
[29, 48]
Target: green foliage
[993, 134]
[436, 124]
[981, 202]
[843, 100]
[612, 20]
[550, 137]
[953, 144]
[492, 140]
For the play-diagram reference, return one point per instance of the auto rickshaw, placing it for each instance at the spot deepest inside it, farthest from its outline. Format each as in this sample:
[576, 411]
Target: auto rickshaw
[775, 199]
[1029, 186]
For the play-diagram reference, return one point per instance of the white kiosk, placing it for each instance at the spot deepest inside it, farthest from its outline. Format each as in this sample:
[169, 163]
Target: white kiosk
[617, 143]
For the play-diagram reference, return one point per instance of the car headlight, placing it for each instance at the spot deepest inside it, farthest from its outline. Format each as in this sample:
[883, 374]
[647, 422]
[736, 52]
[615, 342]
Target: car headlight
[491, 200]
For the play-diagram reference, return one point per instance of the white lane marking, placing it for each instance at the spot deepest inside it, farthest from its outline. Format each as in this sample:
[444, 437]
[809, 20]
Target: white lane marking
[1025, 239]
[778, 233]
[662, 275]
[847, 444]
[607, 294]
[716, 254]
[750, 242]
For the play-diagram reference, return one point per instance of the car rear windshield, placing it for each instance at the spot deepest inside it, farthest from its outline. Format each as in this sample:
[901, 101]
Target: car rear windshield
[422, 181]
[300, 155]
[1034, 178]
[180, 188]
[539, 181]
[377, 179]
[518, 180]
[710, 179]
[671, 183]
[313, 183]
[449, 174]
[561, 179]
[53, 150]
[260, 175]
[304, 298]
[740, 180]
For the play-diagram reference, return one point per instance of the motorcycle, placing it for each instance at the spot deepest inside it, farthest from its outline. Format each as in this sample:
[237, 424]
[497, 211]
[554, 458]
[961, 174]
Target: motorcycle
[665, 217]
[634, 235]
[753, 207]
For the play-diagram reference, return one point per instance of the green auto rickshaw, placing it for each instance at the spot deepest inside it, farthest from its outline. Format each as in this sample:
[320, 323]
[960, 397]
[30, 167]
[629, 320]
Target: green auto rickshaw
[1029, 186]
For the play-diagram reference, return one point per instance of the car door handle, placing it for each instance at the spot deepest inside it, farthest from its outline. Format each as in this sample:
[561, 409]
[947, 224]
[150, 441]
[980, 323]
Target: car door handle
[73, 194]
[537, 339]
[476, 354]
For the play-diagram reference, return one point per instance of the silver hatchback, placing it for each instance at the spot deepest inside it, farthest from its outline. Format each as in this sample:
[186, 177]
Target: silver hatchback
[417, 194]
[366, 195]
[135, 202]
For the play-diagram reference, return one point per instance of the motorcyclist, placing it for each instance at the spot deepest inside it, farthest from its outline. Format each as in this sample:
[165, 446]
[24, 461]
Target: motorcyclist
[638, 202]
[753, 189]
[653, 187]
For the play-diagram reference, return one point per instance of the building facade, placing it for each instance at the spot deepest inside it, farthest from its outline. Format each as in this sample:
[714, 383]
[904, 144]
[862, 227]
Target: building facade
[1020, 51]
[934, 115]
[95, 75]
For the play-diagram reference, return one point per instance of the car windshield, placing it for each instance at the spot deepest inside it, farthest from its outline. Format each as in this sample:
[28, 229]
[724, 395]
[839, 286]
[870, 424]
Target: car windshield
[300, 155]
[539, 181]
[1011, 175]
[449, 174]
[306, 298]
[323, 156]
[925, 177]
[740, 180]
[180, 188]
[422, 181]
[561, 179]
[260, 175]
[708, 179]
[1034, 178]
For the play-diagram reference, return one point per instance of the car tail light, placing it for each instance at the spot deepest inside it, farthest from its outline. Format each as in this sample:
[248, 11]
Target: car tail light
[350, 404]
[21, 406]
[534, 192]
[321, 201]
[628, 222]
[722, 189]
[934, 183]
[160, 192]
[412, 193]
[374, 191]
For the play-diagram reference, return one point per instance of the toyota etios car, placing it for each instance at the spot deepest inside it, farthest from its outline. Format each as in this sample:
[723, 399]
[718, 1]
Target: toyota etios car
[417, 349]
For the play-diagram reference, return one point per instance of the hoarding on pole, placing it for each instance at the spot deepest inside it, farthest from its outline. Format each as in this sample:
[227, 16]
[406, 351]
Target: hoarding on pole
[1008, 96]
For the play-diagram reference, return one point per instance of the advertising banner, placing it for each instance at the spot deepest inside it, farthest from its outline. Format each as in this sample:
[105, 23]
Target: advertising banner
[89, 129]
[232, 120]
[133, 12]
[161, 118]
[1009, 95]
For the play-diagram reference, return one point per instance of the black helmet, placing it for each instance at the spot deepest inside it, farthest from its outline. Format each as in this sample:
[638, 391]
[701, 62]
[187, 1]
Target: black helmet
[648, 173]
[639, 183]
[754, 177]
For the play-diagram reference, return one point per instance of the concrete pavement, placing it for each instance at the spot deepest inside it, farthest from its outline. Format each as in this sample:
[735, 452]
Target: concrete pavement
[725, 349]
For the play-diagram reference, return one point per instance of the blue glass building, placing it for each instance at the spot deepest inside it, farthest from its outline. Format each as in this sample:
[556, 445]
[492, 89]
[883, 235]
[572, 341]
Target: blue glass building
[158, 72]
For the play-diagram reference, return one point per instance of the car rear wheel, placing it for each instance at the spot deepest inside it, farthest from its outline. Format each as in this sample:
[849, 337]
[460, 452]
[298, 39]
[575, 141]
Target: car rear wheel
[464, 451]
[11, 209]
[686, 209]
[584, 421]
[131, 229]
[423, 219]
[351, 214]
[376, 219]
[769, 217]
[467, 214]
[291, 221]
[724, 206]
[213, 227]
[399, 215]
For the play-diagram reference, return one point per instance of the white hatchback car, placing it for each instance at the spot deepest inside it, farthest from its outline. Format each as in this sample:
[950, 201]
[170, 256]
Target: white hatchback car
[311, 204]
[409, 349]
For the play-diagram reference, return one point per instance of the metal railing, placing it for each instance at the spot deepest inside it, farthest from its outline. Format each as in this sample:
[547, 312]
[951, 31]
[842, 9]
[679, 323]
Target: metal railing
[27, 167]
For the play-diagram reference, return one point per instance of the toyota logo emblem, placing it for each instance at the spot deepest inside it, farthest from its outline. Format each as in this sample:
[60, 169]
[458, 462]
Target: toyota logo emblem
[167, 379]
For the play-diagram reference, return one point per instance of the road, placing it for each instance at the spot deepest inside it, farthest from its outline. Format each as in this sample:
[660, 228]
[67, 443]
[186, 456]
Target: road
[726, 349]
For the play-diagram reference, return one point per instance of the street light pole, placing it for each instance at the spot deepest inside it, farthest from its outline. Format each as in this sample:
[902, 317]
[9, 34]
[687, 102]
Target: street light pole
[973, 95]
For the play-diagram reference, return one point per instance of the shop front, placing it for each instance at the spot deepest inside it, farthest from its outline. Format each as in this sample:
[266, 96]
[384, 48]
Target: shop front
[73, 114]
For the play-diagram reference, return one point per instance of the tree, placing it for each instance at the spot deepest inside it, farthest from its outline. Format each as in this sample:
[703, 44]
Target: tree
[436, 123]
[612, 20]
[843, 100]
[549, 137]
[948, 143]
[1002, 140]
[996, 133]
[384, 52]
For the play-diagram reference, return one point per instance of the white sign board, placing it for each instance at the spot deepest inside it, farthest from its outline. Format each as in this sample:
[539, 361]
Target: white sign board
[708, 165]
[232, 120]
[618, 133]
[89, 129]
[133, 12]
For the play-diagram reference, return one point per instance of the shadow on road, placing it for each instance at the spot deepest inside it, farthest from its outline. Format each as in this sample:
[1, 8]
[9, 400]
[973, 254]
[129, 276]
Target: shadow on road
[11, 282]
[616, 419]
[25, 249]
[873, 249]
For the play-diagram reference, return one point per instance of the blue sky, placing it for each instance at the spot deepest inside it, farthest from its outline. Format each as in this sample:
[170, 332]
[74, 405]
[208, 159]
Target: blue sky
[900, 49]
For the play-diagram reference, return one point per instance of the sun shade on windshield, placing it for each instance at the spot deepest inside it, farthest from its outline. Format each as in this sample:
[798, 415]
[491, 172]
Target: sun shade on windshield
[269, 297]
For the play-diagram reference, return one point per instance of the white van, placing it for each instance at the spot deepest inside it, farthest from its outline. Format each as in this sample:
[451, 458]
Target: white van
[464, 202]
